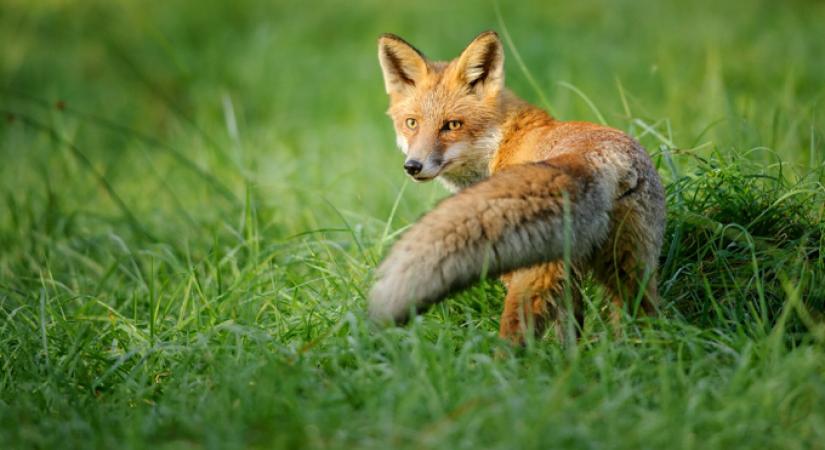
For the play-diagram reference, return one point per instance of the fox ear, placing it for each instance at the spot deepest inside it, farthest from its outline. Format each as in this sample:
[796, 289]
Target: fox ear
[481, 64]
[403, 65]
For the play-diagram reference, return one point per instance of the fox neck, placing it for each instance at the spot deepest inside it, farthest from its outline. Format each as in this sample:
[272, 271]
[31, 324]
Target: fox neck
[480, 156]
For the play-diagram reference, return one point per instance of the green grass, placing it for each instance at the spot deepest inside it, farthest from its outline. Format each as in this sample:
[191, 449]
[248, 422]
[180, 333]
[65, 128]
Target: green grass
[193, 198]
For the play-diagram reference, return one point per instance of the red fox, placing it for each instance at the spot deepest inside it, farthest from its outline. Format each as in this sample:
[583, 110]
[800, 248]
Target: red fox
[526, 186]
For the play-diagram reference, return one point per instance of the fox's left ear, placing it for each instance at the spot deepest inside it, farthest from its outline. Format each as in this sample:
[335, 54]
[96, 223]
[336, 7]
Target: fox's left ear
[481, 64]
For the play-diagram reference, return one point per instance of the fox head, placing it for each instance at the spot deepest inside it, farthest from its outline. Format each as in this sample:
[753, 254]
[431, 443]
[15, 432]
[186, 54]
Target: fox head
[445, 113]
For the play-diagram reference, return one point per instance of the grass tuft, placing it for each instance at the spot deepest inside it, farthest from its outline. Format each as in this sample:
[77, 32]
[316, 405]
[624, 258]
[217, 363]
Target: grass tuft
[193, 198]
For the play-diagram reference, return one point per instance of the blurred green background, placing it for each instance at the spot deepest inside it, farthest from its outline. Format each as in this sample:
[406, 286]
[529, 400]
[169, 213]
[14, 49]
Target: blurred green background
[302, 85]
[193, 196]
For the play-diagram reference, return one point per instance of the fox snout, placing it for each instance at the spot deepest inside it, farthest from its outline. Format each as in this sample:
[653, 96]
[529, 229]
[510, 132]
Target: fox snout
[423, 159]
[423, 169]
[413, 167]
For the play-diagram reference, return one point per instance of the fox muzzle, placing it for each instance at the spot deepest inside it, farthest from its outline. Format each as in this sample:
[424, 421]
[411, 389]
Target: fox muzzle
[413, 167]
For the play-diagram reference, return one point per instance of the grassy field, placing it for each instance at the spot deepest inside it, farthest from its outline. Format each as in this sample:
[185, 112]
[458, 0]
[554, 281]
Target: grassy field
[193, 197]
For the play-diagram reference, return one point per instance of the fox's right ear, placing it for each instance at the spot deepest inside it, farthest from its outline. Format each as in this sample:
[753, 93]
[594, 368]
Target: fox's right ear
[403, 65]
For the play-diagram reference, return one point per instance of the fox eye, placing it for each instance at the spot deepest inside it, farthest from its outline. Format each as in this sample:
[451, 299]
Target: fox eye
[453, 125]
[411, 123]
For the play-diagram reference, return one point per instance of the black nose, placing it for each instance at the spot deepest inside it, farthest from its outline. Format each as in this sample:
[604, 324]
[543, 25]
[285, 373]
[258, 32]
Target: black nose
[413, 167]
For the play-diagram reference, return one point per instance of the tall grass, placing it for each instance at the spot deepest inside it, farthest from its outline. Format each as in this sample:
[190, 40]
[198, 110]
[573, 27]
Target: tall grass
[194, 197]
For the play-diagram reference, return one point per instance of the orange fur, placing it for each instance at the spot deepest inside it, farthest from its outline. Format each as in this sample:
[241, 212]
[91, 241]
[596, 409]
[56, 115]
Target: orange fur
[513, 167]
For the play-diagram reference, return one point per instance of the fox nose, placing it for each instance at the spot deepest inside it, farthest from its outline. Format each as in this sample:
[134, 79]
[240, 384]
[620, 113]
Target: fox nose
[413, 167]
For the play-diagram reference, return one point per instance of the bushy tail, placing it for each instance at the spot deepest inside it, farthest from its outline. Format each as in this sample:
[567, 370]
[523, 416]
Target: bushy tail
[513, 219]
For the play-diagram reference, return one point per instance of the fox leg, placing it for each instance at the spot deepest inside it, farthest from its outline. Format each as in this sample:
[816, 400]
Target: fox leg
[536, 299]
[626, 266]
[624, 288]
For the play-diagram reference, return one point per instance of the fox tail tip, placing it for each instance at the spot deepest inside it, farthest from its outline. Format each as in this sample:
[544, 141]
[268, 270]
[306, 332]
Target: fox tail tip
[382, 304]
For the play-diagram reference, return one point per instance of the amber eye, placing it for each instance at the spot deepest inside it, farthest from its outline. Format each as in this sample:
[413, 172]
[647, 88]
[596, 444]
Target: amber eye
[411, 123]
[453, 125]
